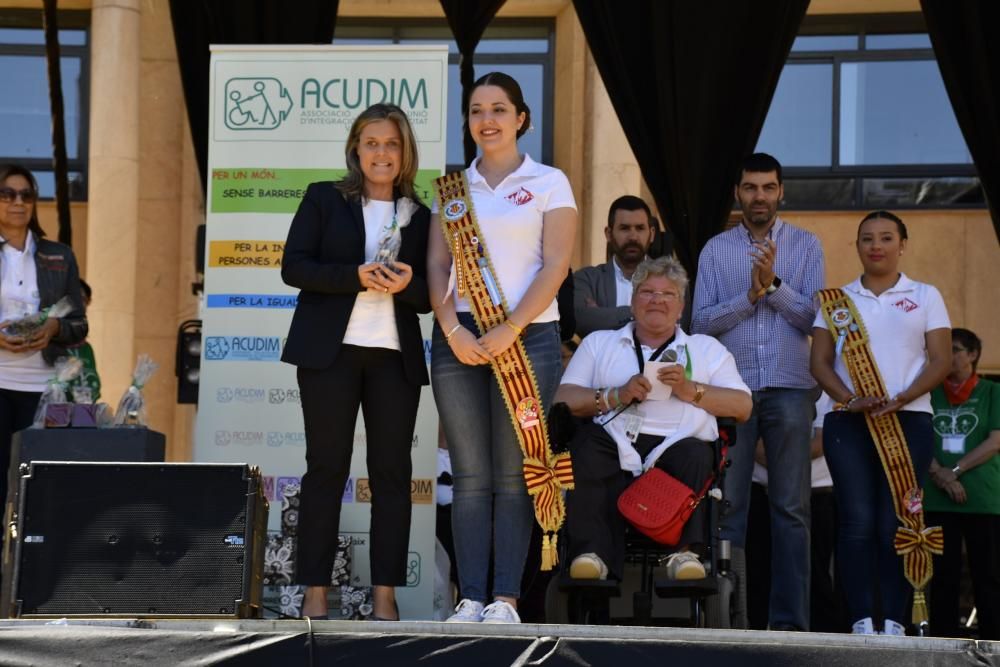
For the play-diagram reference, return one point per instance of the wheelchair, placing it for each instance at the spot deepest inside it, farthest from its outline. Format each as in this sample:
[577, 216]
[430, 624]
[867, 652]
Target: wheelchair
[712, 602]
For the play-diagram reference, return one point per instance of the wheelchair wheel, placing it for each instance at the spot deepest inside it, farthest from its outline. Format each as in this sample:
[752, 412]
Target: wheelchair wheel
[720, 608]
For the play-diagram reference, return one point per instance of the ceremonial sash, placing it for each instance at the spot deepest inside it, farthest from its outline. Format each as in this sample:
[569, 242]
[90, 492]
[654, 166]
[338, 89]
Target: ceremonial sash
[914, 542]
[545, 474]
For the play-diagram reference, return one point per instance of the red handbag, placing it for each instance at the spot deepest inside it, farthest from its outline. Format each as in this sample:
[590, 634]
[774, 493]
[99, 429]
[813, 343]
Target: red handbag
[659, 505]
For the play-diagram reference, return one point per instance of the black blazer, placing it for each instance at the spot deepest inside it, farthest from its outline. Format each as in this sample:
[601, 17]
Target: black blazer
[325, 247]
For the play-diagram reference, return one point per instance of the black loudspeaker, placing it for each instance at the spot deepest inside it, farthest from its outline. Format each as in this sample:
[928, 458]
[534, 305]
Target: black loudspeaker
[138, 540]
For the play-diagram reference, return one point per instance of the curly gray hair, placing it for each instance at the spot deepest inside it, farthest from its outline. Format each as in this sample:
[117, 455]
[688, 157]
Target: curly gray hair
[668, 267]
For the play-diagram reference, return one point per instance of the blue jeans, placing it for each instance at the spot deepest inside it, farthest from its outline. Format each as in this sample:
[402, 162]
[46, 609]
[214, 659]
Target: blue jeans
[866, 559]
[783, 419]
[491, 507]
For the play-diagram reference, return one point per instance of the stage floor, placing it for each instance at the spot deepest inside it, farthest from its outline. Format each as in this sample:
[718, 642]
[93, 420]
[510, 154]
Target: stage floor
[150, 642]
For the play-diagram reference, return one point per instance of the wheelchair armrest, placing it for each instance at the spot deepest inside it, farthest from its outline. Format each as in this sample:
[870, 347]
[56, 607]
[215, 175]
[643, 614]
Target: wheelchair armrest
[727, 430]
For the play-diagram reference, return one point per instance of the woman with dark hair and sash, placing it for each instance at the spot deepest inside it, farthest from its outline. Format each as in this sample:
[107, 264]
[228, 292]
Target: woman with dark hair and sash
[504, 231]
[357, 249]
[880, 344]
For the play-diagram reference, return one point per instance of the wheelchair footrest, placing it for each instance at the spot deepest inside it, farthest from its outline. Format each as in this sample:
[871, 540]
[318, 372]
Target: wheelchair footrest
[597, 587]
[697, 588]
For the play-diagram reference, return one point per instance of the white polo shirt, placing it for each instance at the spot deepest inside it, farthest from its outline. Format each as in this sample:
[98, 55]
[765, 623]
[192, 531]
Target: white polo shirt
[511, 220]
[607, 359]
[896, 321]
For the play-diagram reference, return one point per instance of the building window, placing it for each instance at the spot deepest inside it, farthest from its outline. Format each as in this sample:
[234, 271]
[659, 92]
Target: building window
[861, 119]
[25, 116]
[523, 49]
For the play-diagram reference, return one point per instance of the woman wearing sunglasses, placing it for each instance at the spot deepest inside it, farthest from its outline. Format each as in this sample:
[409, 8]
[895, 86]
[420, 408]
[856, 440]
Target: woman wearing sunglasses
[34, 274]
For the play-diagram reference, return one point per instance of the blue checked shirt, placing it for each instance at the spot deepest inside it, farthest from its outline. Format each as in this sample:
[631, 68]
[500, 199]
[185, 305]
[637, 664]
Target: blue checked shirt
[769, 339]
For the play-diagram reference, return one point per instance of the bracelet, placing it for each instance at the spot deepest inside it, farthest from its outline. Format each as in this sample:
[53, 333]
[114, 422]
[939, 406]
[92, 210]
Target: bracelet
[447, 336]
[843, 405]
[604, 397]
[518, 330]
[597, 401]
[618, 400]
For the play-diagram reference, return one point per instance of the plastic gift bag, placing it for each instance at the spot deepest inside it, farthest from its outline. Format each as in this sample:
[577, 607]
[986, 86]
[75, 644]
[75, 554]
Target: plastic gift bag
[28, 325]
[66, 369]
[132, 408]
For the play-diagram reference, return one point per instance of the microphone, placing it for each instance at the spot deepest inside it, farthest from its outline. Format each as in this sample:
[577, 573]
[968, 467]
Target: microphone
[670, 356]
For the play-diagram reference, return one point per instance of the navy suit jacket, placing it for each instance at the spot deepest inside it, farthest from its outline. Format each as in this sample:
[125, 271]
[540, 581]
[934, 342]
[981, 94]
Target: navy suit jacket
[325, 247]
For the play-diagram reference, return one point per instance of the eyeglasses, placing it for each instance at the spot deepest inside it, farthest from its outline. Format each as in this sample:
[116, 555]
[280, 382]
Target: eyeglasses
[648, 294]
[27, 195]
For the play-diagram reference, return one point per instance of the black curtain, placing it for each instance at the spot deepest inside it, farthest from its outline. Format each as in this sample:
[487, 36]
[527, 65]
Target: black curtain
[199, 23]
[964, 36]
[468, 20]
[691, 83]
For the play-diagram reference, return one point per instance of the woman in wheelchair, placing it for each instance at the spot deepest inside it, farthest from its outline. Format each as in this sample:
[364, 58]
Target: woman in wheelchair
[652, 393]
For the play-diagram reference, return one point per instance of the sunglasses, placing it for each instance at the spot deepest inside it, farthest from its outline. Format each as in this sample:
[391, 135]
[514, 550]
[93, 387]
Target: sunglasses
[27, 195]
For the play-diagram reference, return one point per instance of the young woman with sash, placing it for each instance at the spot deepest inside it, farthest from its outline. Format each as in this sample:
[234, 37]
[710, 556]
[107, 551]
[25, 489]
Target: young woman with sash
[500, 249]
[357, 248]
[880, 344]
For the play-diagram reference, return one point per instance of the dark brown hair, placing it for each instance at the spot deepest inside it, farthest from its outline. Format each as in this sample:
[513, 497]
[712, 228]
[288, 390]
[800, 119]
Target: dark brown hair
[353, 183]
[8, 170]
[970, 342]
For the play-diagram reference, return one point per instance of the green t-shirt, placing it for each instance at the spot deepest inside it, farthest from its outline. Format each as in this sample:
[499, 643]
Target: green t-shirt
[958, 430]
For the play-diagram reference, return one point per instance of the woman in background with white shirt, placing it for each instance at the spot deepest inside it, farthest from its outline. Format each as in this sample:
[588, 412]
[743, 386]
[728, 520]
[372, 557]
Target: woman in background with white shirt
[35, 273]
[527, 215]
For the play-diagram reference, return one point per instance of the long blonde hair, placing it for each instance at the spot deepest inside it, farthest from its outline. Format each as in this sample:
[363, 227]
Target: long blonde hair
[353, 183]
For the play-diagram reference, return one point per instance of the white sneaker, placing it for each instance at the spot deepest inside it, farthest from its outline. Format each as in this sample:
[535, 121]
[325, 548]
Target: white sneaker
[863, 627]
[467, 611]
[685, 566]
[588, 566]
[893, 628]
[500, 612]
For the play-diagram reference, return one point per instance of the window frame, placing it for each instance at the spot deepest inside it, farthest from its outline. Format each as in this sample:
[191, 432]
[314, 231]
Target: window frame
[863, 26]
[31, 19]
[394, 29]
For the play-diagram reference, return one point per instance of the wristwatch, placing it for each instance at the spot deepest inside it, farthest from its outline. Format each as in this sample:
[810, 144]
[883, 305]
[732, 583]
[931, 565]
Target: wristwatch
[775, 284]
[957, 470]
[699, 392]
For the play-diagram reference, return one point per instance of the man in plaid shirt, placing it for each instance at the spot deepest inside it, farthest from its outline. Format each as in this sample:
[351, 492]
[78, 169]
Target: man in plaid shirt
[754, 293]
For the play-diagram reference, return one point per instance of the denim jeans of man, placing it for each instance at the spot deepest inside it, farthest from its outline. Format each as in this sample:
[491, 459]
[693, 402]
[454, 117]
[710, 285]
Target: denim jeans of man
[866, 559]
[491, 506]
[783, 419]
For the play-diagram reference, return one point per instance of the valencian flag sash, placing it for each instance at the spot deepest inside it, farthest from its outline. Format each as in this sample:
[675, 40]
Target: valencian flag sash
[545, 474]
[914, 542]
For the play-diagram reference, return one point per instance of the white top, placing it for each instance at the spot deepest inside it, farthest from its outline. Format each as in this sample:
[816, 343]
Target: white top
[373, 319]
[20, 371]
[896, 321]
[607, 359]
[819, 471]
[623, 286]
[511, 219]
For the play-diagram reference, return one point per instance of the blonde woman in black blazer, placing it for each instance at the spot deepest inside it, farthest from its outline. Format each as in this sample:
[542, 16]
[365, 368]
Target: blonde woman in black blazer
[357, 251]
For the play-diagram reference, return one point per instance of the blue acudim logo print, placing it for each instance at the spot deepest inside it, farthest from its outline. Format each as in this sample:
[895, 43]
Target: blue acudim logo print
[256, 103]
[216, 347]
